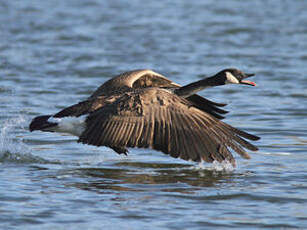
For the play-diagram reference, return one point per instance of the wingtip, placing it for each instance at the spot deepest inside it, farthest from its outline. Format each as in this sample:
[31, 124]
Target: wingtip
[254, 137]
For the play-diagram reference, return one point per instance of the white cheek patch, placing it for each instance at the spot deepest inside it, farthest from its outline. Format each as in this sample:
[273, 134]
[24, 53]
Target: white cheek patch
[230, 79]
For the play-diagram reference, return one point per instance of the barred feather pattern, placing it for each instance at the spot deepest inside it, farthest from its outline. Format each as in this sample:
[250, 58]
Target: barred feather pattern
[158, 119]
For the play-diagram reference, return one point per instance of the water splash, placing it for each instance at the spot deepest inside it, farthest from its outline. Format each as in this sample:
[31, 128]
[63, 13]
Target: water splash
[275, 153]
[15, 151]
[224, 166]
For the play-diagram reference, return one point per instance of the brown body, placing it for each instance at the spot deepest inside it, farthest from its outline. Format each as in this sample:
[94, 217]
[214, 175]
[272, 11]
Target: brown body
[140, 109]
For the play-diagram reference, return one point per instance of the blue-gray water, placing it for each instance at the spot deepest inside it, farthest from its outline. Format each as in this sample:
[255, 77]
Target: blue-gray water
[55, 53]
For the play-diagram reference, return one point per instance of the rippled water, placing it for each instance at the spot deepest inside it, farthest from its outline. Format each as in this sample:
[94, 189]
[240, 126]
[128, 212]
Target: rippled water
[54, 53]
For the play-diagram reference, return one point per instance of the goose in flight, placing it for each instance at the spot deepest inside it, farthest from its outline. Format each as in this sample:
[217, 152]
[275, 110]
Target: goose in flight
[144, 109]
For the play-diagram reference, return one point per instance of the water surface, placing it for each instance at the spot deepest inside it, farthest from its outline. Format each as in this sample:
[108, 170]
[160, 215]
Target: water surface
[55, 53]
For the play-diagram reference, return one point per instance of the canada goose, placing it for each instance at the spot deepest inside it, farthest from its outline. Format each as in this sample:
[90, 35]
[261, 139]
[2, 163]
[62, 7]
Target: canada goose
[144, 109]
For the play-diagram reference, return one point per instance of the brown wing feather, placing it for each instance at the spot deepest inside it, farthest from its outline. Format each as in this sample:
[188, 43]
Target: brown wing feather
[160, 120]
[136, 79]
[207, 105]
[140, 78]
[82, 108]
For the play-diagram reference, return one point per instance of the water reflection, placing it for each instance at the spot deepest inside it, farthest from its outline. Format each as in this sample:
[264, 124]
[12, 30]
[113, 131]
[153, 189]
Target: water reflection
[140, 177]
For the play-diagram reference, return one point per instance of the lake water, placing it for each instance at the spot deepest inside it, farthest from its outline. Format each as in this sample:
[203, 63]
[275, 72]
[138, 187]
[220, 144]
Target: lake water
[55, 53]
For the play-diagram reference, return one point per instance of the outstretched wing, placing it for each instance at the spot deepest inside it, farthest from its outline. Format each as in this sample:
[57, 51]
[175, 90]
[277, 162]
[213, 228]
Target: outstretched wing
[134, 80]
[142, 78]
[208, 106]
[155, 118]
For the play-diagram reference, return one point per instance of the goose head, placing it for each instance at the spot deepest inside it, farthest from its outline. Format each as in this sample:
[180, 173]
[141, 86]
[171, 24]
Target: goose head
[235, 76]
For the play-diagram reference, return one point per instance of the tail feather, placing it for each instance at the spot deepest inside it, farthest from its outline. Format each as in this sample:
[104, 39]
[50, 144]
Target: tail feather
[41, 123]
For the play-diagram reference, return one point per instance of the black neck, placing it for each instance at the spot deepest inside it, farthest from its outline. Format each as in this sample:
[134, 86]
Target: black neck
[197, 86]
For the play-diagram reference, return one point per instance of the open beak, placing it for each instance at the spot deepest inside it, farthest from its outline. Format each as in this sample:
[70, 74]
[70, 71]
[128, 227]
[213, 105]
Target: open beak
[246, 82]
